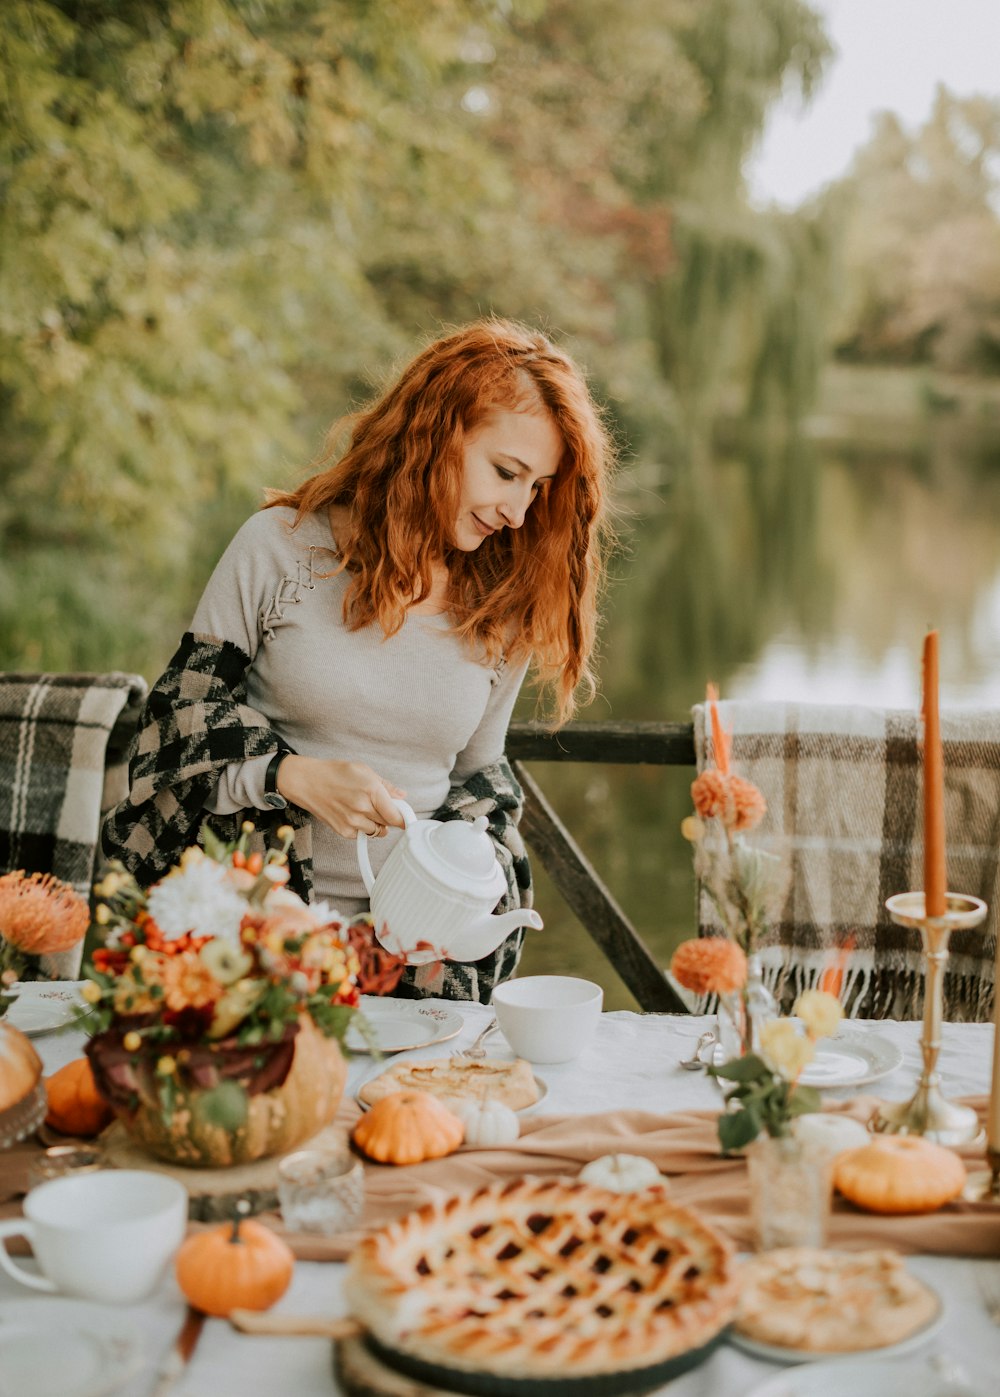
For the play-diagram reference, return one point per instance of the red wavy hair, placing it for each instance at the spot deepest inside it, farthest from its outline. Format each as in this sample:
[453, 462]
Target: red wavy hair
[532, 590]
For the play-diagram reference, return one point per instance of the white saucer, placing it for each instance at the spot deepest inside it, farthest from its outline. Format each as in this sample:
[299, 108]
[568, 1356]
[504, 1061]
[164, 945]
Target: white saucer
[852, 1059]
[401, 1024]
[65, 1348]
[42, 1006]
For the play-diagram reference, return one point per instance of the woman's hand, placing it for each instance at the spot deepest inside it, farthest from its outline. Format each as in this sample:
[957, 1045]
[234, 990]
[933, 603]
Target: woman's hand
[347, 796]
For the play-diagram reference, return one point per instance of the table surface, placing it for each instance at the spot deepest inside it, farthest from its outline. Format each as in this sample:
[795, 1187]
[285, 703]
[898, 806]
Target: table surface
[632, 1062]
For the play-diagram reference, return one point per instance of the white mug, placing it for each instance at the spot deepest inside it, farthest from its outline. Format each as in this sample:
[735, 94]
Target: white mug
[548, 1018]
[107, 1236]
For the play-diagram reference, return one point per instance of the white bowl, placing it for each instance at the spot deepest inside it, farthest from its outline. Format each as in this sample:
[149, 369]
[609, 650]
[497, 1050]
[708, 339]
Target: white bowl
[548, 1018]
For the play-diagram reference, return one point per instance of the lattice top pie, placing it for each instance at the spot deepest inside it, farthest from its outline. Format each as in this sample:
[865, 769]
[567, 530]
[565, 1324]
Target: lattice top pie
[831, 1301]
[543, 1278]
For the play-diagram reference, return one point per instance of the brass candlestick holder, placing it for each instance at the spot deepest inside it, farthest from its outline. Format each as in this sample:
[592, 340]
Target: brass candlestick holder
[927, 1112]
[984, 1185]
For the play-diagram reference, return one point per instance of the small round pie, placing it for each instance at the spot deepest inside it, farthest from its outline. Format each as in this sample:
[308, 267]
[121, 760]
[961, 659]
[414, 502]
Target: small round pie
[543, 1278]
[817, 1301]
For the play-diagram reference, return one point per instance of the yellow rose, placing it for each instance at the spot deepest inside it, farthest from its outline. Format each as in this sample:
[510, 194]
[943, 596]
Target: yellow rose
[692, 829]
[820, 1012]
[91, 992]
[785, 1048]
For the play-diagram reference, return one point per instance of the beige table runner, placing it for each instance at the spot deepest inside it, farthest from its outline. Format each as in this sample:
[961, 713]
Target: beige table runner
[684, 1146]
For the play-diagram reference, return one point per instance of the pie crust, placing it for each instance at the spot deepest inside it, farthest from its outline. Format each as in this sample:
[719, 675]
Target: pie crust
[509, 1082]
[542, 1278]
[831, 1302]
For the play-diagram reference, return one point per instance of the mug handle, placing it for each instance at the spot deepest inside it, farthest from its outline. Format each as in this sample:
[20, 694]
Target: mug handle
[20, 1227]
[364, 862]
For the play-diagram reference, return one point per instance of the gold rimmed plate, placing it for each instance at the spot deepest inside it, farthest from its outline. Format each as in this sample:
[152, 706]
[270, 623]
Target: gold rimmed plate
[399, 1024]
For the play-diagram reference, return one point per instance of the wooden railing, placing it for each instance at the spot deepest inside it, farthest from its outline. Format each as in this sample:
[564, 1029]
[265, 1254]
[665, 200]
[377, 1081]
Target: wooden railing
[659, 744]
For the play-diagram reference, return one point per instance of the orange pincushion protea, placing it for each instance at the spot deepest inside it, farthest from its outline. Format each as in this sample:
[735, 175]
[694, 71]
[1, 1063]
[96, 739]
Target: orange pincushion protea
[40, 915]
[737, 803]
[709, 965]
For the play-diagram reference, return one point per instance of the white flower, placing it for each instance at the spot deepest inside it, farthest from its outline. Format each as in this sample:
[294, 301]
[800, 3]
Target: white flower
[197, 897]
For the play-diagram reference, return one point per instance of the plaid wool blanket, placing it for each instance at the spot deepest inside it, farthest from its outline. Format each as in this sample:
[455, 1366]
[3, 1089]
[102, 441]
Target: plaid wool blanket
[58, 772]
[844, 794]
[196, 721]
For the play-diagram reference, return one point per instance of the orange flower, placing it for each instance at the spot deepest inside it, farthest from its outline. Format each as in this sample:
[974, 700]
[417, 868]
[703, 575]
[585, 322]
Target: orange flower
[737, 803]
[709, 965]
[39, 914]
[189, 984]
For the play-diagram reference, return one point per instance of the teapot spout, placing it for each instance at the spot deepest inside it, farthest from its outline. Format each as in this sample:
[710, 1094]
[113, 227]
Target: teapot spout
[485, 934]
[506, 922]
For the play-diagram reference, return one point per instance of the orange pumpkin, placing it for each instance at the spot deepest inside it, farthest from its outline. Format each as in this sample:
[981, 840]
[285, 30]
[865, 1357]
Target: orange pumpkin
[900, 1174]
[241, 1265]
[276, 1120]
[406, 1127]
[75, 1106]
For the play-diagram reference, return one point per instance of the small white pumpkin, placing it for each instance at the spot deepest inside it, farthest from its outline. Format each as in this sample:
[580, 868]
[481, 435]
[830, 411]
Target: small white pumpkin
[829, 1134]
[622, 1173]
[487, 1123]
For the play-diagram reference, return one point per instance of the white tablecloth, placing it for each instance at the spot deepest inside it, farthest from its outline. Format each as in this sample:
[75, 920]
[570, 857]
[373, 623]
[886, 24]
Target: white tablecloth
[631, 1063]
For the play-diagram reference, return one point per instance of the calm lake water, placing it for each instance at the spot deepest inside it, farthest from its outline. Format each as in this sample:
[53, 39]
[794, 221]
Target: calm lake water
[803, 573]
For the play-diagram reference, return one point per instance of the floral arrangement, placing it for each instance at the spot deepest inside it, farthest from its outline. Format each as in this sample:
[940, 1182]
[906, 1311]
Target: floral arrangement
[39, 916]
[743, 882]
[768, 1095]
[221, 960]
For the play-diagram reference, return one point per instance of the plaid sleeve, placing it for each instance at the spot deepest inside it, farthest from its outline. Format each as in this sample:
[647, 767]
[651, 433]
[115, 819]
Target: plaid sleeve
[195, 722]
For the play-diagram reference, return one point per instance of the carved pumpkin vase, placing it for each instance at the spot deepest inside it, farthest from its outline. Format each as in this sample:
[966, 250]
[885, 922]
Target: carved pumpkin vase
[212, 1105]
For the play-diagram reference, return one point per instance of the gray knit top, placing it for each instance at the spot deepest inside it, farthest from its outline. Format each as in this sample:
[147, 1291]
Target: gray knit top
[420, 707]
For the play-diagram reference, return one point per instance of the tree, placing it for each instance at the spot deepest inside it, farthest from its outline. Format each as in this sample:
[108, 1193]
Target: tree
[921, 241]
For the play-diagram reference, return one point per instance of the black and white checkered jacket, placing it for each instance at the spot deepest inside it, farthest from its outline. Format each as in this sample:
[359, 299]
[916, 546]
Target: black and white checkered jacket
[196, 721]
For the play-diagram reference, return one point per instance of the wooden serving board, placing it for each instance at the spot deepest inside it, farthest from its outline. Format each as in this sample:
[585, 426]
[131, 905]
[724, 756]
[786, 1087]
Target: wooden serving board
[213, 1193]
[361, 1374]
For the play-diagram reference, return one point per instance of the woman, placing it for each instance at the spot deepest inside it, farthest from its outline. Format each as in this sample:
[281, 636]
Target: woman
[364, 636]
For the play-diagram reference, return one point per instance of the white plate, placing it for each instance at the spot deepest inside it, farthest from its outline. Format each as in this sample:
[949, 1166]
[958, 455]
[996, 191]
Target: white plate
[774, 1353]
[42, 1007]
[862, 1377]
[65, 1348]
[852, 1059]
[401, 1024]
[543, 1091]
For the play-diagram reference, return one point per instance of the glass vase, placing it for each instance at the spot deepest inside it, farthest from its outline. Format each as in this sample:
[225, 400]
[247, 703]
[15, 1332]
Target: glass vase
[742, 1013]
[791, 1184]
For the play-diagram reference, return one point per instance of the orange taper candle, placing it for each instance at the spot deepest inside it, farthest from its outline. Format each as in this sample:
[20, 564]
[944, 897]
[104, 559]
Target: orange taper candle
[935, 878]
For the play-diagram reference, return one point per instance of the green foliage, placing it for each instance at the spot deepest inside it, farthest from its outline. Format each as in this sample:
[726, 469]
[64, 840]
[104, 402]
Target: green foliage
[221, 216]
[920, 237]
[225, 1105]
[762, 1099]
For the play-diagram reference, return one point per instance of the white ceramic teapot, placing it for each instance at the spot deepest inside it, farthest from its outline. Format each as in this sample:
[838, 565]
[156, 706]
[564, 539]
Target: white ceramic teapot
[434, 896]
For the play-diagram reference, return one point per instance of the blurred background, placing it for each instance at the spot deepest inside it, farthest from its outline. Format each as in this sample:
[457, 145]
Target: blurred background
[770, 229]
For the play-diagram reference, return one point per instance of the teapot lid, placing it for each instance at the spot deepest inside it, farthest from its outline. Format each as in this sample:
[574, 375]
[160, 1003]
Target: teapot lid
[461, 855]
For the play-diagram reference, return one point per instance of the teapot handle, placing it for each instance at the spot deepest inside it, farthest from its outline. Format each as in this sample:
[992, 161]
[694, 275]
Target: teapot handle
[364, 862]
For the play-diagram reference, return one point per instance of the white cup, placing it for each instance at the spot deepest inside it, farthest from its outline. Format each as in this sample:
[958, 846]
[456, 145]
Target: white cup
[548, 1018]
[107, 1236]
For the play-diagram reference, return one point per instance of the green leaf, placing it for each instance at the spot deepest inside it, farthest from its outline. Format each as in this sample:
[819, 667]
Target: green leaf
[741, 1069]
[214, 847]
[224, 1106]
[738, 1128]
[804, 1100]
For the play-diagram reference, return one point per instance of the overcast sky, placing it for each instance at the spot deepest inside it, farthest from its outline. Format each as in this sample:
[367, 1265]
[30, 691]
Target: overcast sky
[891, 54]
